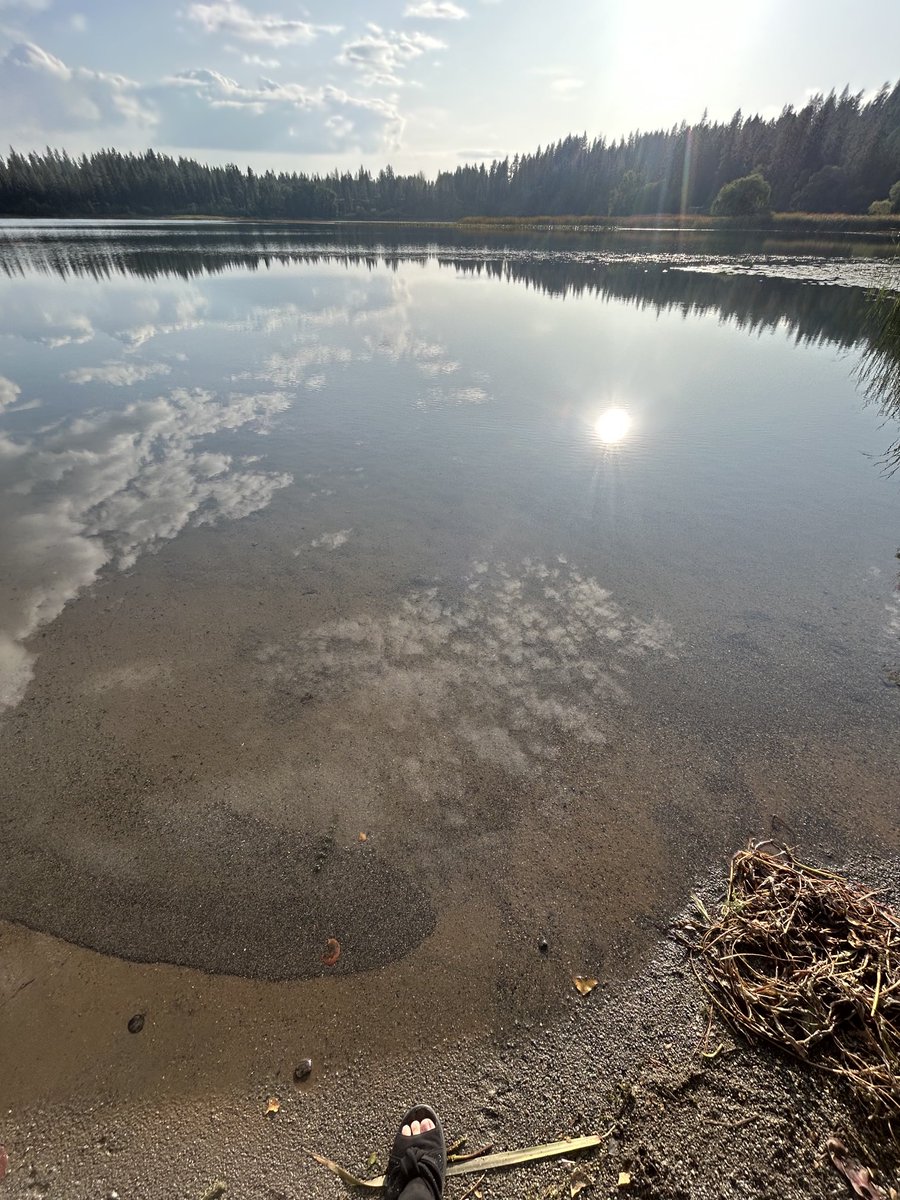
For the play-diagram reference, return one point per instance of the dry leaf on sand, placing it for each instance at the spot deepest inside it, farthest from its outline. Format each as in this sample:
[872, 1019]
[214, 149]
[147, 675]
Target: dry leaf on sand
[858, 1176]
[332, 952]
[584, 983]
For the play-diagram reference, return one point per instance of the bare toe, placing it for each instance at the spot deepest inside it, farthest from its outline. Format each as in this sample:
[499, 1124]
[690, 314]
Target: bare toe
[416, 1128]
[427, 1125]
[406, 1131]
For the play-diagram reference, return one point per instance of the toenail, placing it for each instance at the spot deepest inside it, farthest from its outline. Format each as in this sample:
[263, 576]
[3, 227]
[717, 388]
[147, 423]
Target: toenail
[406, 1131]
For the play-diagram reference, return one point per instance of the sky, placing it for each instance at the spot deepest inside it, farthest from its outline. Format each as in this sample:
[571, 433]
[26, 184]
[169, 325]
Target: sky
[422, 84]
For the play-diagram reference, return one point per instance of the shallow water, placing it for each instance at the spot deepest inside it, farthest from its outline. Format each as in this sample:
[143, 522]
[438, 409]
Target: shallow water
[309, 534]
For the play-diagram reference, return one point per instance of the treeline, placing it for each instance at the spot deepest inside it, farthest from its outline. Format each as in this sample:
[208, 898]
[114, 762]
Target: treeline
[836, 154]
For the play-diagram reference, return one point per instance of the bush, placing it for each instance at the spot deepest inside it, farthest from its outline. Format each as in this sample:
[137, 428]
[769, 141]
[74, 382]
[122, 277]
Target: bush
[748, 196]
[879, 208]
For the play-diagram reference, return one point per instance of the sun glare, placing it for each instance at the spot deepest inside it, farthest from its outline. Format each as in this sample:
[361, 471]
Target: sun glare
[612, 426]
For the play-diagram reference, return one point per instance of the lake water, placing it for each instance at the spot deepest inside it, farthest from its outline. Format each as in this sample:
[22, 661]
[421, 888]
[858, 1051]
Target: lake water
[556, 567]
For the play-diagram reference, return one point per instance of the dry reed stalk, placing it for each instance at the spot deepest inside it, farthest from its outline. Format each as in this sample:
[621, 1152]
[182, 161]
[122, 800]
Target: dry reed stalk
[809, 962]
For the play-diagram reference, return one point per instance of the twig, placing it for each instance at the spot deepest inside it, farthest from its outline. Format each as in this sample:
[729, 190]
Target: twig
[473, 1189]
[471, 1154]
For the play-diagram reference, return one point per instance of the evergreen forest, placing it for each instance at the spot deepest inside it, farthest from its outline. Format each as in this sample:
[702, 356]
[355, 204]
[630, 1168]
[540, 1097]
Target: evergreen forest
[839, 153]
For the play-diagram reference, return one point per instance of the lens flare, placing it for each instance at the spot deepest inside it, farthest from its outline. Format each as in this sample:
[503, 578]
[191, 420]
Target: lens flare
[612, 426]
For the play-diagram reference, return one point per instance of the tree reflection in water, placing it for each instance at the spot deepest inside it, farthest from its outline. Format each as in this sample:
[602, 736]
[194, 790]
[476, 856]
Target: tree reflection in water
[879, 369]
[878, 374]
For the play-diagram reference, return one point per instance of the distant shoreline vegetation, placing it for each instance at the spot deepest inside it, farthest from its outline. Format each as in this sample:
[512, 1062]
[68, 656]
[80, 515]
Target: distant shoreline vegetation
[770, 222]
[837, 155]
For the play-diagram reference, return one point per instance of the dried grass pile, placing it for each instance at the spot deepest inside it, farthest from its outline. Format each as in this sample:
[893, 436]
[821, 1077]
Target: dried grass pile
[810, 962]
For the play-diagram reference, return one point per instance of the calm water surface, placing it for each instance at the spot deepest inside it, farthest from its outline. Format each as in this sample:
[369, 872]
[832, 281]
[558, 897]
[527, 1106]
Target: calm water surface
[556, 567]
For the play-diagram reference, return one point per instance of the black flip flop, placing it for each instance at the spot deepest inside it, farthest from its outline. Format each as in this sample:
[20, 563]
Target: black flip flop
[421, 1156]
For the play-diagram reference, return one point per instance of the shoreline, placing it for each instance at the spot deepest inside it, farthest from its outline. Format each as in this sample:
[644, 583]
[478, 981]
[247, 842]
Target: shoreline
[740, 1120]
[817, 224]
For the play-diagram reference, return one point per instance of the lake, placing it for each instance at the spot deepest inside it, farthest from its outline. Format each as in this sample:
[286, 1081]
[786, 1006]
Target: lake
[436, 592]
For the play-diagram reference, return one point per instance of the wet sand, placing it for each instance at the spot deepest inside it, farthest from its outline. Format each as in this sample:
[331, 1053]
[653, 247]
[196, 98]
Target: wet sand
[99, 1111]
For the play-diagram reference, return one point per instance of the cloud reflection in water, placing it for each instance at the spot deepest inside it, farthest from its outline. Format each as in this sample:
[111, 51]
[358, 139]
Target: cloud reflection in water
[103, 488]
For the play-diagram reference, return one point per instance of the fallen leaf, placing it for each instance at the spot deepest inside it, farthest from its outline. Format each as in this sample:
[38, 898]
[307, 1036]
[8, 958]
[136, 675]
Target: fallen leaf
[273, 1104]
[858, 1176]
[216, 1190]
[624, 1179]
[584, 983]
[579, 1181]
[372, 1160]
[332, 952]
[362, 838]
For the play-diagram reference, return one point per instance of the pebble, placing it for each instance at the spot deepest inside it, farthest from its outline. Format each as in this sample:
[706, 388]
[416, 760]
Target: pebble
[303, 1070]
[136, 1024]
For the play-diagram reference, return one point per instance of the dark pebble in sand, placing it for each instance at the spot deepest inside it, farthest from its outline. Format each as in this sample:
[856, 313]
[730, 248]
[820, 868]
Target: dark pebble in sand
[303, 1070]
[543, 945]
[136, 1024]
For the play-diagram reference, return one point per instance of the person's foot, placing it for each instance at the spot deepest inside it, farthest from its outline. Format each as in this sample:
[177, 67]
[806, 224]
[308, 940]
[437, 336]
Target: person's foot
[418, 1127]
[419, 1153]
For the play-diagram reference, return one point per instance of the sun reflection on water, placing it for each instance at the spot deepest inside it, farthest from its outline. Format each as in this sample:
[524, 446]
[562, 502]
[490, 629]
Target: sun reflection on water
[612, 426]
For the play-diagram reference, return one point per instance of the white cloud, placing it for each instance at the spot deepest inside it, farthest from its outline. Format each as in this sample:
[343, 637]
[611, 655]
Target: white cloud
[117, 374]
[105, 487]
[236, 21]
[255, 60]
[206, 108]
[435, 10]
[40, 94]
[566, 86]
[380, 54]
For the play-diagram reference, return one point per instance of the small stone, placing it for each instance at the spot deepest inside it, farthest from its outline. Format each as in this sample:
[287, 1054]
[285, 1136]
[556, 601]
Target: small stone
[303, 1070]
[136, 1024]
[543, 945]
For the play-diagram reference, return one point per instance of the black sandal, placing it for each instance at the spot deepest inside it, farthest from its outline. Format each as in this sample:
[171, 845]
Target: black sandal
[420, 1156]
